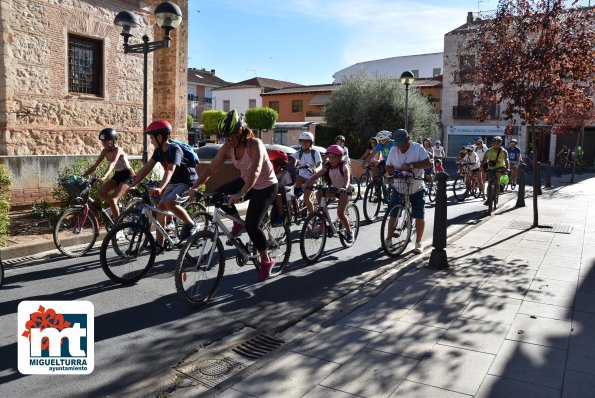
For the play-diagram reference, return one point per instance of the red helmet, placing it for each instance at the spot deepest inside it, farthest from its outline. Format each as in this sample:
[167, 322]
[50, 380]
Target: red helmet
[159, 126]
[276, 155]
[336, 149]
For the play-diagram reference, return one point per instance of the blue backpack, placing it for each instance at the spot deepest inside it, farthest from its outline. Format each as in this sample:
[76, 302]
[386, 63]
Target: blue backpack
[189, 154]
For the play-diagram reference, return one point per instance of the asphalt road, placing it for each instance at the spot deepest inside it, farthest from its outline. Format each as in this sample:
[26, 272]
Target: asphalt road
[143, 329]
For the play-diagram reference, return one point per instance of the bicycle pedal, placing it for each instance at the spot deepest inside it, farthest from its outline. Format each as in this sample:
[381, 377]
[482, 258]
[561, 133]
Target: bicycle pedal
[229, 243]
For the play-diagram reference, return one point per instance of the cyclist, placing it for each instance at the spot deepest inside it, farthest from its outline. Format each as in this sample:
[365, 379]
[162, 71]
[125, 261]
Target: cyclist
[309, 161]
[439, 152]
[429, 172]
[495, 158]
[385, 143]
[114, 188]
[367, 156]
[471, 160]
[179, 174]
[514, 158]
[338, 175]
[340, 140]
[257, 182]
[563, 156]
[480, 150]
[411, 157]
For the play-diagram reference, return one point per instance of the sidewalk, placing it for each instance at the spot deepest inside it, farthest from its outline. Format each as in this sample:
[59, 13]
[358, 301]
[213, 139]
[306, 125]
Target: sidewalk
[513, 316]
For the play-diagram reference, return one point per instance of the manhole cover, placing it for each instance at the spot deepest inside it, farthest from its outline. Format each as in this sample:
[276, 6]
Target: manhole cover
[213, 371]
[555, 228]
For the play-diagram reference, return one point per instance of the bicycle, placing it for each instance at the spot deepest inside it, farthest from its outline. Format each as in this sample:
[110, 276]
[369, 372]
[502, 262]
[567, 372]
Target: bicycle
[200, 265]
[430, 189]
[466, 184]
[376, 194]
[133, 243]
[494, 188]
[363, 181]
[318, 226]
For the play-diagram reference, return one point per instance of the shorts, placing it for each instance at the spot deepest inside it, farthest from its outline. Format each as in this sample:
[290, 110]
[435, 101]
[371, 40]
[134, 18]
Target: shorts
[429, 171]
[172, 191]
[417, 203]
[513, 163]
[122, 176]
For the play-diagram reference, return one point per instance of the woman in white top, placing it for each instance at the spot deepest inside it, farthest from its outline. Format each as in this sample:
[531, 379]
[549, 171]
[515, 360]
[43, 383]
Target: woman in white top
[480, 150]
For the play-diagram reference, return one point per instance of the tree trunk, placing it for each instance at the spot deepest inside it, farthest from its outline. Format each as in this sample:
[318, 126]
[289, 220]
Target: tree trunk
[536, 178]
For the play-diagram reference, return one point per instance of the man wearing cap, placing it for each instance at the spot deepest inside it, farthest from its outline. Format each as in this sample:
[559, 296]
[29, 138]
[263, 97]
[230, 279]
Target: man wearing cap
[514, 158]
[411, 157]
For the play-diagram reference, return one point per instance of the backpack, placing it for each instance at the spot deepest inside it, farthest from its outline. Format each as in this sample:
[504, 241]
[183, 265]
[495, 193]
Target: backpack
[189, 154]
[327, 178]
[312, 152]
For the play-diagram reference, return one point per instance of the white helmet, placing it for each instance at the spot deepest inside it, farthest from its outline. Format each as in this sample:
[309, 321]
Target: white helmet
[306, 135]
[384, 135]
[469, 147]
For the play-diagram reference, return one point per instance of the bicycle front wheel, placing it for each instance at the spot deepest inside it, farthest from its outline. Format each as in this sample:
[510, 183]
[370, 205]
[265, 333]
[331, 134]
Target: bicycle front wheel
[431, 191]
[279, 246]
[475, 188]
[352, 214]
[127, 253]
[200, 268]
[372, 201]
[313, 238]
[394, 242]
[76, 231]
[459, 188]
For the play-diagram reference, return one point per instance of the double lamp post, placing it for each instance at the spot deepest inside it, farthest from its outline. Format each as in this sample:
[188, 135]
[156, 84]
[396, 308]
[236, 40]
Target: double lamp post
[168, 16]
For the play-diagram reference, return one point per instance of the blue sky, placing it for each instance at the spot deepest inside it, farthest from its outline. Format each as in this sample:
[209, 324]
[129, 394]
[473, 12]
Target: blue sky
[307, 41]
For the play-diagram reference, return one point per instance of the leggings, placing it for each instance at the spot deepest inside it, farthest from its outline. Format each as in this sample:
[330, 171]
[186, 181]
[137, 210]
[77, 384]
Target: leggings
[260, 202]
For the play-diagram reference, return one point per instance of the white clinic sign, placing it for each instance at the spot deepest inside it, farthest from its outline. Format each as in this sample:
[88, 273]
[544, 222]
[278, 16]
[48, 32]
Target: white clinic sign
[477, 130]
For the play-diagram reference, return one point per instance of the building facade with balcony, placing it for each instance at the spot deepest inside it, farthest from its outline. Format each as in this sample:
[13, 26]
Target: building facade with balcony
[201, 83]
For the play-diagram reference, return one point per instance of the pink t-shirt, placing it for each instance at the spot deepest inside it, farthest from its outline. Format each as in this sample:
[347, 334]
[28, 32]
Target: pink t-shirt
[339, 180]
[266, 177]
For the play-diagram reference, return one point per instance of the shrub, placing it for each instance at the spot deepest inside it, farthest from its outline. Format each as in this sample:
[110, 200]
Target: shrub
[5, 185]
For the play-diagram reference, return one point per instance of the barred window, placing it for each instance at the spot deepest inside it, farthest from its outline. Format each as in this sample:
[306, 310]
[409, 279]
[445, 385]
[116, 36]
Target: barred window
[85, 65]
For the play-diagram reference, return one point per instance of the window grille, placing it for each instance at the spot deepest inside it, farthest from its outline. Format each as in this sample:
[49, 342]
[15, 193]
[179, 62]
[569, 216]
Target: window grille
[85, 65]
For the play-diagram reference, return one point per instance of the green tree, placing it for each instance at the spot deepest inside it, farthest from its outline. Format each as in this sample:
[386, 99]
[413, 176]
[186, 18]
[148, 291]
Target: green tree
[211, 120]
[189, 122]
[362, 106]
[261, 118]
[5, 185]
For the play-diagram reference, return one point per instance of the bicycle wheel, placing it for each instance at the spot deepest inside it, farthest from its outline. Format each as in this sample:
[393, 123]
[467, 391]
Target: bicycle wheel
[459, 188]
[200, 268]
[127, 253]
[1, 273]
[352, 214]
[372, 201]
[431, 192]
[76, 231]
[475, 187]
[279, 246]
[313, 238]
[401, 236]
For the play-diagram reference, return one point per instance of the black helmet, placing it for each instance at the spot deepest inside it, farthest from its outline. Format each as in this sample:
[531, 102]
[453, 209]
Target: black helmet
[231, 123]
[108, 134]
[340, 137]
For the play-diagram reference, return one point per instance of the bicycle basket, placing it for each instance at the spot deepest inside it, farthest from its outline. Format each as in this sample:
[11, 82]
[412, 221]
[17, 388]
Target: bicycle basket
[402, 185]
[75, 186]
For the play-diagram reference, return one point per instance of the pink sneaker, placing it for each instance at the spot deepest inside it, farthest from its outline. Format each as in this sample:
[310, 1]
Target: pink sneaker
[265, 270]
[237, 229]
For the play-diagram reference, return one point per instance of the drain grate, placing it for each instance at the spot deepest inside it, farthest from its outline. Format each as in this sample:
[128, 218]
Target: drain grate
[212, 371]
[555, 228]
[19, 260]
[257, 346]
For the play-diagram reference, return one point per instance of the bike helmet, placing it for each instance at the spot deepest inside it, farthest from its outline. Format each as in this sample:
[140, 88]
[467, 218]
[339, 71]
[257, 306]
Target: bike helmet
[336, 149]
[159, 126]
[306, 136]
[383, 135]
[504, 179]
[497, 138]
[437, 142]
[108, 134]
[231, 123]
[340, 137]
[469, 147]
[278, 157]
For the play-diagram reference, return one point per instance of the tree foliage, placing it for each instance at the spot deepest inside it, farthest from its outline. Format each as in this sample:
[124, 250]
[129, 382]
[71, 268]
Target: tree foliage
[362, 106]
[189, 122]
[210, 120]
[261, 118]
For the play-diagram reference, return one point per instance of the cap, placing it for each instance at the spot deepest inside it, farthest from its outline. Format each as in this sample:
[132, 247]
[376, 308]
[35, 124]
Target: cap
[401, 137]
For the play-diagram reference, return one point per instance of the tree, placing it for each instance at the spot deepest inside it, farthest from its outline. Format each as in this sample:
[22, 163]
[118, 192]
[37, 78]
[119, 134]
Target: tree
[362, 106]
[211, 120]
[535, 58]
[189, 122]
[261, 118]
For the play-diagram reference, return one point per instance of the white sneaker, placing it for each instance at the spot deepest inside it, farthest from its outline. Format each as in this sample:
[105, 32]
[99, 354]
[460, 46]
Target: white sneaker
[120, 235]
[388, 242]
[418, 248]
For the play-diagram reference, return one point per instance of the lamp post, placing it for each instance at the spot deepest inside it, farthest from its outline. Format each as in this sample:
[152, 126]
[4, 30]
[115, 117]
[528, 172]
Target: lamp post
[407, 78]
[168, 16]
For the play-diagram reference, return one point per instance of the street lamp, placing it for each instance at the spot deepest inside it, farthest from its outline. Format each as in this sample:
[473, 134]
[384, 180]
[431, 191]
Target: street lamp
[168, 16]
[407, 78]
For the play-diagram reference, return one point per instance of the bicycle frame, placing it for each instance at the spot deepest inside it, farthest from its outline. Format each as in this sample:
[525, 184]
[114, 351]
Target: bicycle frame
[217, 227]
[147, 211]
[322, 209]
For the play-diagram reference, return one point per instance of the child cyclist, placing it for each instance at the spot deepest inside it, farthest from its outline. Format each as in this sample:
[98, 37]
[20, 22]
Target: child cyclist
[114, 188]
[309, 163]
[338, 175]
[280, 160]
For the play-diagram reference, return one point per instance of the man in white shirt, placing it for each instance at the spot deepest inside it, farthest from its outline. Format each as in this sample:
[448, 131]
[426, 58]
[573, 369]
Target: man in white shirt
[439, 152]
[411, 157]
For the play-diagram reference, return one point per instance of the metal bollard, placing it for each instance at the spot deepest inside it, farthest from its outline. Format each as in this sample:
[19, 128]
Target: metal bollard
[548, 175]
[520, 200]
[438, 258]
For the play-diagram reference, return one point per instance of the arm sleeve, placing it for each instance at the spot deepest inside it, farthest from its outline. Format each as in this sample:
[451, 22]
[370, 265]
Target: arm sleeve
[175, 154]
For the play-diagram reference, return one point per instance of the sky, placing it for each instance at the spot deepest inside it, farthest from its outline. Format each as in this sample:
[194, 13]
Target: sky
[307, 41]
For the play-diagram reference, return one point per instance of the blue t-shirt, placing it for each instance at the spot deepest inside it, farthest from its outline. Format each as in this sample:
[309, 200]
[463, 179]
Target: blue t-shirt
[513, 153]
[385, 149]
[184, 173]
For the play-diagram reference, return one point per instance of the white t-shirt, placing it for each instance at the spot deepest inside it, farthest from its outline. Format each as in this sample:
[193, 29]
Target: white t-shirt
[415, 153]
[481, 152]
[307, 160]
[472, 159]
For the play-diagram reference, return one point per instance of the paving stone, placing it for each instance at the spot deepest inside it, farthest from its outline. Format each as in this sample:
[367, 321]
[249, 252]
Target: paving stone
[451, 294]
[584, 301]
[476, 335]
[581, 354]
[509, 284]
[558, 273]
[453, 369]
[530, 363]
[371, 373]
[336, 344]
[405, 295]
[520, 262]
[552, 291]
[542, 331]
[374, 315]
[407, 339]
[531, 244]
[410, 389]
[583, 323]
[502, 387]
[545, 310]
[492, 308]
[578, 385]
[562, 261]
[537, 254]
[587, 283]
[292, 375]
[325, 392]
[539, 236]
[434, 313]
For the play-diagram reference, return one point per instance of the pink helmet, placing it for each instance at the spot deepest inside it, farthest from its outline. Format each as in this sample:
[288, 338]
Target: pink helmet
[336, 149]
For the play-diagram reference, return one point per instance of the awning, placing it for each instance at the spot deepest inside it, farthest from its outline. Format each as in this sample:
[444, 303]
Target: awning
[322, 99]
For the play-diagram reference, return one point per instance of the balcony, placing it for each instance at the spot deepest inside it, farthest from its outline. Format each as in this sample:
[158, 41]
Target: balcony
[470, 112]
[464, 76]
